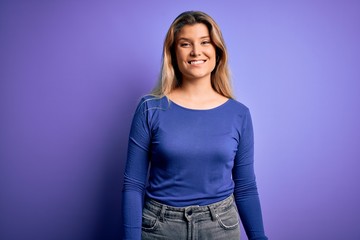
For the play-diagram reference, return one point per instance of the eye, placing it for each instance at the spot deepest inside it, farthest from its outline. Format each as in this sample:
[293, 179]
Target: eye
[206, 42]
[184, 44]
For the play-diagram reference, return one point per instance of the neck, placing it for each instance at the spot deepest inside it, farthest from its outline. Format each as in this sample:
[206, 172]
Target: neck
[198, 89]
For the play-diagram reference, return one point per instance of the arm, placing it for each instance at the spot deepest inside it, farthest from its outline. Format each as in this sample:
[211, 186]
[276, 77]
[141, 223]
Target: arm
[245, 191]
[135, 175]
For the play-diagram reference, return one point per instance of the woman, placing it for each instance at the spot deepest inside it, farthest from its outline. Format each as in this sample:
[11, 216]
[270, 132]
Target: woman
[196, 143]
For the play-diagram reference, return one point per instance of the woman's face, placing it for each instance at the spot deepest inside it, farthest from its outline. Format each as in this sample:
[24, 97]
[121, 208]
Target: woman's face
[195, 52]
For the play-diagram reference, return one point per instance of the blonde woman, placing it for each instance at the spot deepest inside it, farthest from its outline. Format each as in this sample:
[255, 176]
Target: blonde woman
[196, 143]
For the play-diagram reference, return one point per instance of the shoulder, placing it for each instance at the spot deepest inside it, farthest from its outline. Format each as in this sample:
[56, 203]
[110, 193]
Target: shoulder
[242, 118]
[240, 114]
[238, 107]
[149, 103]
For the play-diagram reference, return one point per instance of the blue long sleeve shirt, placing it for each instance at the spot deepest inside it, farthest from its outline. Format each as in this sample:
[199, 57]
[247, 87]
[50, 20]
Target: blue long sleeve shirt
[197, 157]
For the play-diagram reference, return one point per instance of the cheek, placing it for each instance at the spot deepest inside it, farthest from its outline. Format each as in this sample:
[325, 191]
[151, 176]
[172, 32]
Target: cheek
[212, 56]
[181, 60]
[212, 52]
[180, 56]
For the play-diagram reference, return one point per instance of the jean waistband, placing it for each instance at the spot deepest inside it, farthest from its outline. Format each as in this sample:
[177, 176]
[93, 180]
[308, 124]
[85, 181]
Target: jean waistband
[210, 210]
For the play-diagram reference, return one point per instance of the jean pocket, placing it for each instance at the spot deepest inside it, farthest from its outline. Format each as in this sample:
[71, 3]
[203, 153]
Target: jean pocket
[229, 219]
[149, 221]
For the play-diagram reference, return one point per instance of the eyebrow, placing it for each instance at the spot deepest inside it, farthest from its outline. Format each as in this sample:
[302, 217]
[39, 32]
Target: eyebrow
[187, 39]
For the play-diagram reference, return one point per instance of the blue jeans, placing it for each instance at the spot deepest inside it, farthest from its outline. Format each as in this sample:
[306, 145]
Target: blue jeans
[215, 221]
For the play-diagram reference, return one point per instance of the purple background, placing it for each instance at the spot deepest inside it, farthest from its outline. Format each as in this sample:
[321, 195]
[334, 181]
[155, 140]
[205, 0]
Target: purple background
[72, 73]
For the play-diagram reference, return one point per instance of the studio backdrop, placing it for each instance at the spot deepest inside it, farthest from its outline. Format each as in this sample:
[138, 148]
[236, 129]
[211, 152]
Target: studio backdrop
[72, 73]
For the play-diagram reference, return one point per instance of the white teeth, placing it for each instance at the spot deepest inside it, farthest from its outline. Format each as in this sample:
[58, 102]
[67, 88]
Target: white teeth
[197, 62]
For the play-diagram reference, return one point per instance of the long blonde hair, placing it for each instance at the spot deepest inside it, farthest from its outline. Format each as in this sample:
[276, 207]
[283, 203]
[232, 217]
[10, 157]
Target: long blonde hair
[170, 77]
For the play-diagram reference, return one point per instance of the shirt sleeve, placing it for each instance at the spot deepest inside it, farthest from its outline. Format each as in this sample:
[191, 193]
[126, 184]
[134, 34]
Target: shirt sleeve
[135, 175]
[245, 191]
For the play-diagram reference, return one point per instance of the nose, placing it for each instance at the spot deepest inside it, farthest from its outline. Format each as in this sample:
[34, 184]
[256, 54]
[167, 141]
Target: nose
[195, 51]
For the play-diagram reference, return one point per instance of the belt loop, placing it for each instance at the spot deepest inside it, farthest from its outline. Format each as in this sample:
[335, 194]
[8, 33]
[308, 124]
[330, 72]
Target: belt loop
[212, 213]
[162, 213]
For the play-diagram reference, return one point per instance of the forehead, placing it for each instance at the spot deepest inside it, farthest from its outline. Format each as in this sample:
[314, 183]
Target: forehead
[198, 30]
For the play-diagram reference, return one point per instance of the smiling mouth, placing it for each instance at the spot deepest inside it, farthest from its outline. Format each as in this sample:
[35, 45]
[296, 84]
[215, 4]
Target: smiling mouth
[195, 62]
